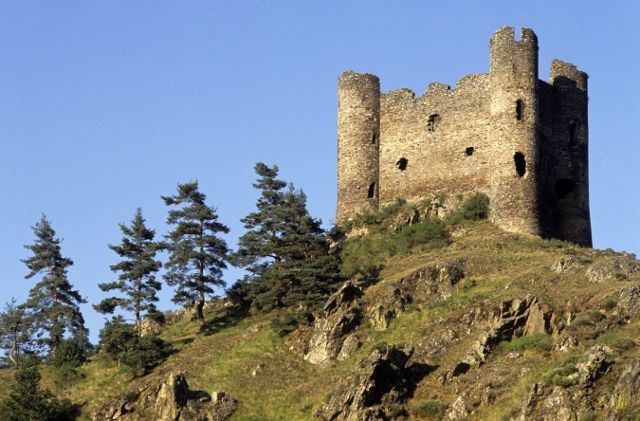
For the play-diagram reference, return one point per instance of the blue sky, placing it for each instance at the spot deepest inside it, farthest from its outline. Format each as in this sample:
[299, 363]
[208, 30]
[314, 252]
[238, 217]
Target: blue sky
[105, 106]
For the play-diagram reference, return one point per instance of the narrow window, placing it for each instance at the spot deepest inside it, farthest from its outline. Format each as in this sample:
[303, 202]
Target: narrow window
[573, 132]
[519, 109]
[521, 163]
[432, 122]
[469, 151]
[564, 187]
[402, 164]
[373, 139]
[372, 191]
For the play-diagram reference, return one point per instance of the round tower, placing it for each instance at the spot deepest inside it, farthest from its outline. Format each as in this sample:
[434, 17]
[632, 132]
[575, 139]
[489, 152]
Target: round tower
[513, 79]
[358, 144]
[570, 179]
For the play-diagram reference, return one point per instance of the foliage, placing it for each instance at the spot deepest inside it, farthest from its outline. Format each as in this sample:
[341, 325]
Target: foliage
[285, 251]
[432, 409]
[71, 352]
[366, 255]
[53, 302]
[15, 331]
[197, 255]
[289, 322]
[537, 341]
[609, 303]
[136, 281]
[28, 401]
[616, 341]
[565, 375]
[121, 341]
[474, 208]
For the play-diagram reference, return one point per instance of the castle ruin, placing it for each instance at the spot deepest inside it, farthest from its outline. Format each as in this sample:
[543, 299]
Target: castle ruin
[518, 139]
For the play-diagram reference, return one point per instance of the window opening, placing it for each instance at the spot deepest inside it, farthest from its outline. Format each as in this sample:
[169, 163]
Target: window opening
[432, 122]
[402, 164]
[519, 109]
[373, 138]
[469, 151]
[573, 131]
[372, 191]
[521, 163]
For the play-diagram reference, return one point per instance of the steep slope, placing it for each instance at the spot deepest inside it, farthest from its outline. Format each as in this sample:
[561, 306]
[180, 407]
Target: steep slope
[484, 325]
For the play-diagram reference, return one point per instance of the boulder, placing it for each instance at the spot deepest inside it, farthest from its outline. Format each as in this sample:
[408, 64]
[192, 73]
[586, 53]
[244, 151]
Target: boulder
[168, 400]
[628, 302]
[329, 334]
[375, 390]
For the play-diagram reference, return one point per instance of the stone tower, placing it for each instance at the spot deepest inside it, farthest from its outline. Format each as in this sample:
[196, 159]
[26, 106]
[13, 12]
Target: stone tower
[520, 140]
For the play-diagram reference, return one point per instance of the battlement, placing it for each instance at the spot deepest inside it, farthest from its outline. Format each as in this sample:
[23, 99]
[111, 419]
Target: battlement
[520, 140]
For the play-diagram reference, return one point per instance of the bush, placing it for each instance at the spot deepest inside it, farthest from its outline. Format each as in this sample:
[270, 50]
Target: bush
[475, 208]
[565, 375]
[431, 409]
[426, 231]
[537, 341]
[614, 340]
[469, 284]
[140, 354]
[609, 303]
[71, 352]
[289, 322]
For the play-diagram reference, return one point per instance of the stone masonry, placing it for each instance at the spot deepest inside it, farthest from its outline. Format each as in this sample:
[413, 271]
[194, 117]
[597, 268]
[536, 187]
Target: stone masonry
[520, 140]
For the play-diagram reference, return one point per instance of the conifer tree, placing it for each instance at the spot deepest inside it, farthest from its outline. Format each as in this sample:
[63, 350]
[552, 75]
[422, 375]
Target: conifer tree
[285, 250]
[15, 331]
[137, 281]
[53, 302]
[197, 255]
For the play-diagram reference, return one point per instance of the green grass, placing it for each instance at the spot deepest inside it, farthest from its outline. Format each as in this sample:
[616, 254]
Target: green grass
[537, 342]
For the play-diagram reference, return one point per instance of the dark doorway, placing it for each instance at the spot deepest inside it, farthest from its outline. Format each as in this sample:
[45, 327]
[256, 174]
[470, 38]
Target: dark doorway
[372, 191]
[402, 164]
[521, 164]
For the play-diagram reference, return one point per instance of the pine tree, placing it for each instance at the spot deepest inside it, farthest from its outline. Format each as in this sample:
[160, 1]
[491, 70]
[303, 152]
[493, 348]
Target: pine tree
[53, 302]
[285, 250]
[28, 401]
[15, 331]
[137, 281]
[197, 255]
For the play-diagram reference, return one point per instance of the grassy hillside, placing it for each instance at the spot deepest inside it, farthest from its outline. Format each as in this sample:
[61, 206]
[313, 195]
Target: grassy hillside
[263, 371]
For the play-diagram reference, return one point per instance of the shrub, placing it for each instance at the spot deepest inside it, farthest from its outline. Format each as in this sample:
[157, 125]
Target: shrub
[140, 354]
[537, 341]
[426, 231]
[431, 409]
[565, 375]
[614, 340]
[609, 303]
[474, 208]
[71, 352]
[289, 322]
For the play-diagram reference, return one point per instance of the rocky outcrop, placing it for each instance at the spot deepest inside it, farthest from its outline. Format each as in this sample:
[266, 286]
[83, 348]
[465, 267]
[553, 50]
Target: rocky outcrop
[433, 282]
[375, 390]
[333, 336]
[513, 318]
[168, 400]
[628, 302]
[392, 301]
[620, 267]
[626, 393]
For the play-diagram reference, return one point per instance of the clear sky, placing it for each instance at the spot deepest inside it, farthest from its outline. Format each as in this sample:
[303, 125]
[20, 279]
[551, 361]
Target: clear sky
[105, 106]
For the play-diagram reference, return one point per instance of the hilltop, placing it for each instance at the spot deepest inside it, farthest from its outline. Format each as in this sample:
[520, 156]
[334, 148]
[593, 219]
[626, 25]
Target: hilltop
[456, 319]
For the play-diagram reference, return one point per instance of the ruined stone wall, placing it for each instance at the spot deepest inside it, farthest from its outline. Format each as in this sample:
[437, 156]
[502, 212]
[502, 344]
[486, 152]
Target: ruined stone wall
[521, 141]
[437, 143]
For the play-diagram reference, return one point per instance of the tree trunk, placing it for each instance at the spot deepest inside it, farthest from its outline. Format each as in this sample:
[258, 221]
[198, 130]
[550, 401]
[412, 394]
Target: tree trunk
[199, 313]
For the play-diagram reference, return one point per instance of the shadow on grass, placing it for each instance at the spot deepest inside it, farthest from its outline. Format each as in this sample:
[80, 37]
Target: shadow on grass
[231, 316]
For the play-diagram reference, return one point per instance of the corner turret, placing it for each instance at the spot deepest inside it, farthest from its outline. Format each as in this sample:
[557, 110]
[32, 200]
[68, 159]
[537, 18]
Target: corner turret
[358, 144]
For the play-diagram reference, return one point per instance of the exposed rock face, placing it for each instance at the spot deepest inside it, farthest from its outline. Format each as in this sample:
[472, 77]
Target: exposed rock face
[169, 400]
[614, 268]
[629, 302]
[393, 302]
[435, 281]
[514, 318]
[626, 392]
[375, 390]
[333, 336]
